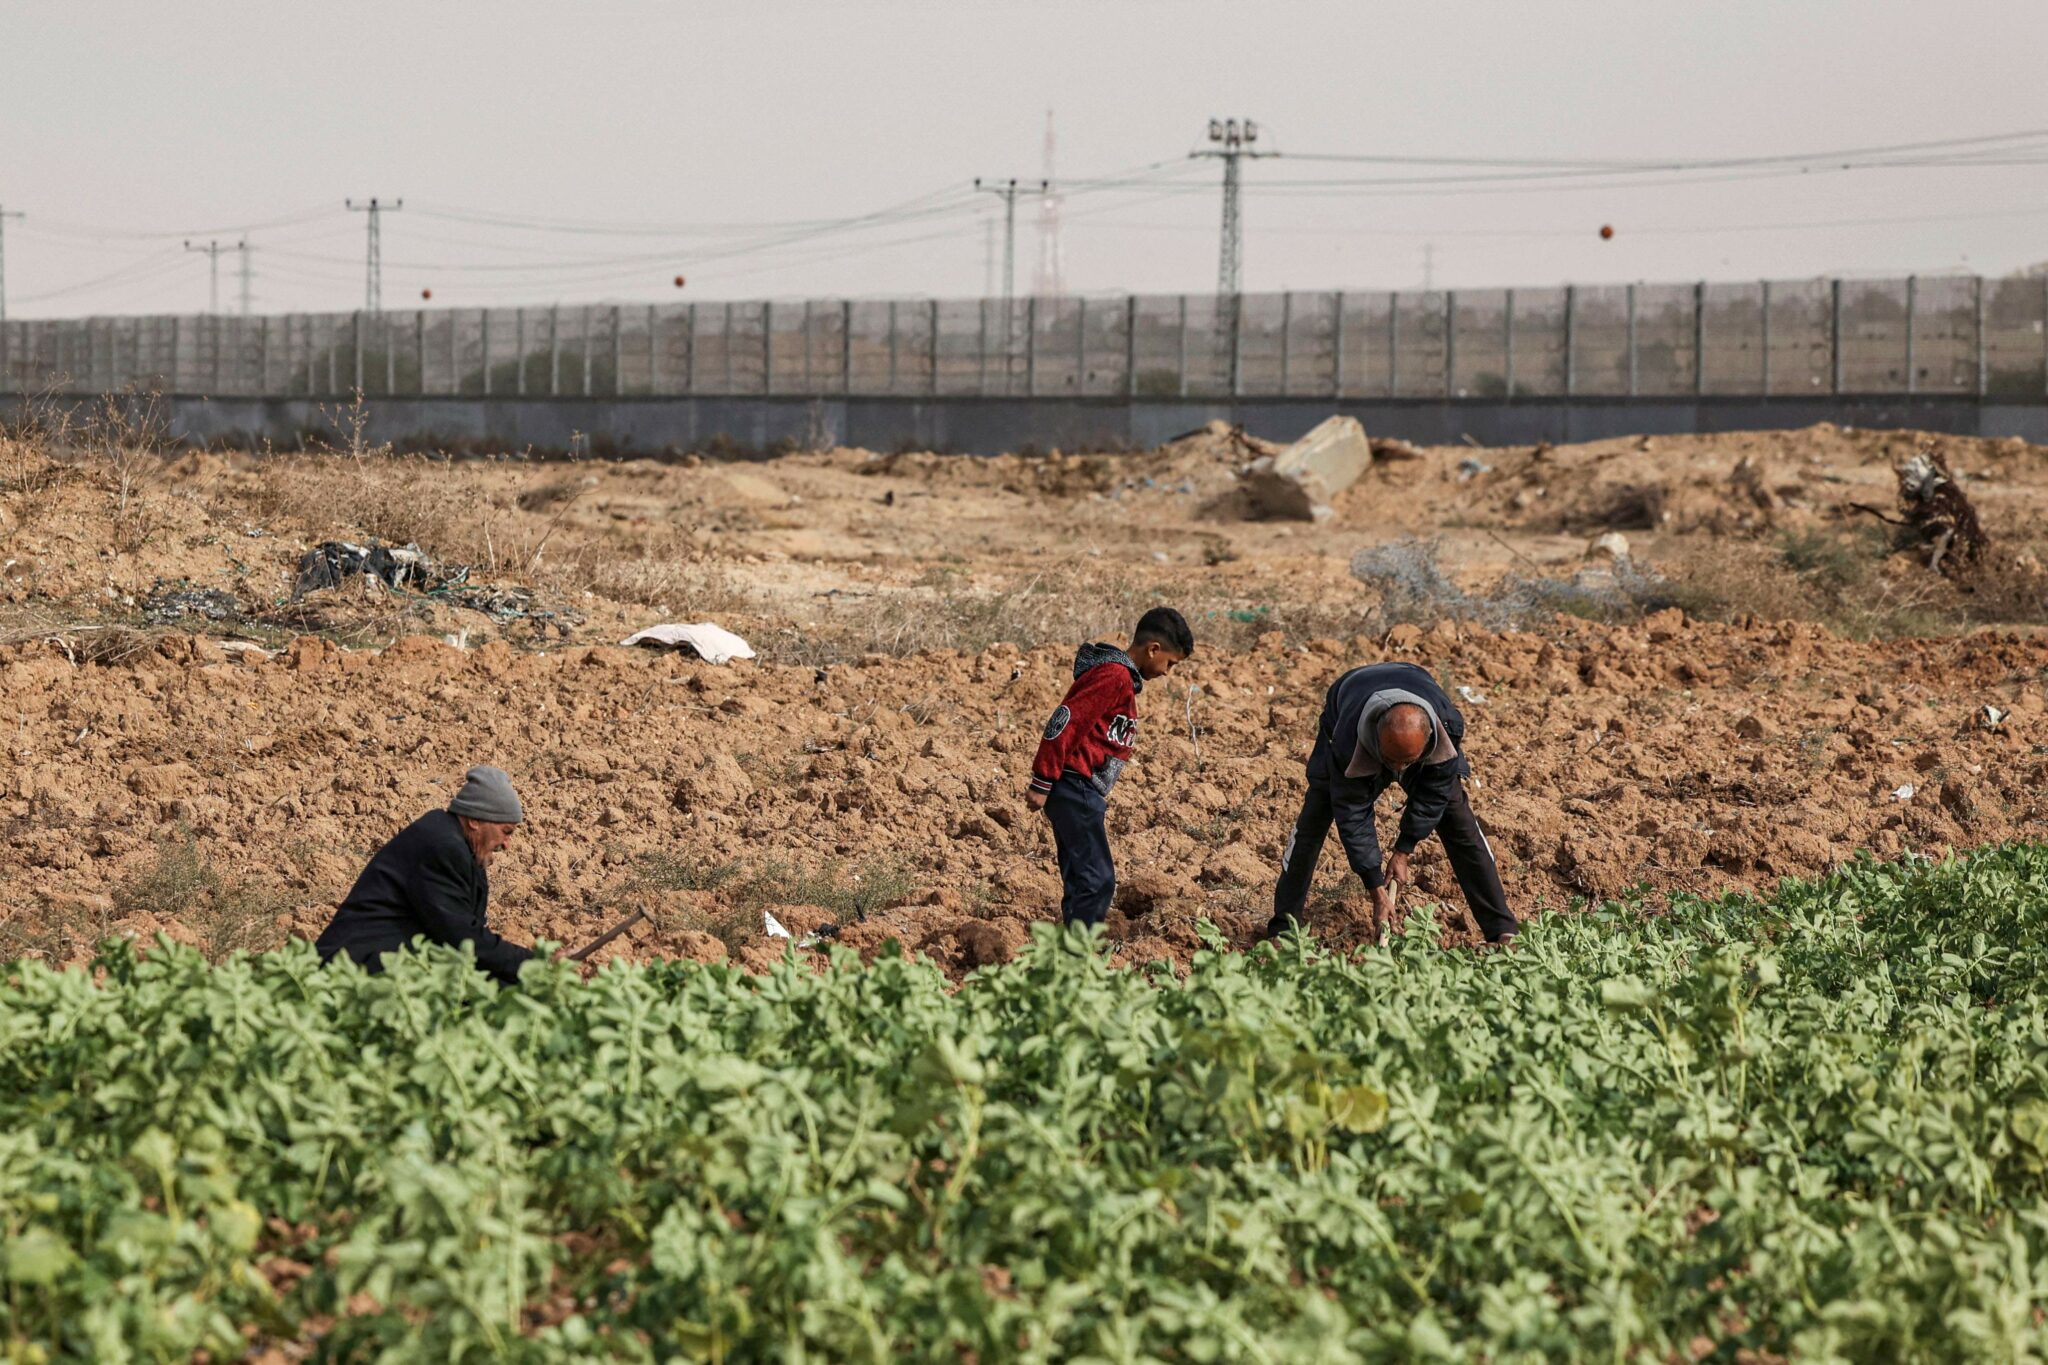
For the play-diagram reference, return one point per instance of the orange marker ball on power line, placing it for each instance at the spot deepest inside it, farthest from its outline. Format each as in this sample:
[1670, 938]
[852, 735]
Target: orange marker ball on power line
[679, 281]
[426, 293]
[1607, 232]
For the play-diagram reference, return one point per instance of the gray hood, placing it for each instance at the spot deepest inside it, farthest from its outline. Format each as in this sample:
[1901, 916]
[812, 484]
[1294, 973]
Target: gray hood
[1096, 655]
[1366, 760]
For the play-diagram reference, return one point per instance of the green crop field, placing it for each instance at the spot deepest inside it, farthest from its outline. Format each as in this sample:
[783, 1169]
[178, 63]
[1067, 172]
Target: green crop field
[1811, 1127]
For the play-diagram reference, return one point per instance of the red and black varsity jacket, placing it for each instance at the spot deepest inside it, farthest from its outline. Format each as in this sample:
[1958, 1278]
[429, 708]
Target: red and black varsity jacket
[1095, 728]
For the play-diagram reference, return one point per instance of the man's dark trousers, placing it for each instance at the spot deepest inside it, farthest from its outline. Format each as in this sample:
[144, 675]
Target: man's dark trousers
[1076, 810]
[1465, 843]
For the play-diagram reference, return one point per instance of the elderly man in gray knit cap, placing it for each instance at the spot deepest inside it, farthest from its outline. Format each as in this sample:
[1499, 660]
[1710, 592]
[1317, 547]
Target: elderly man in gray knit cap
[430, 882]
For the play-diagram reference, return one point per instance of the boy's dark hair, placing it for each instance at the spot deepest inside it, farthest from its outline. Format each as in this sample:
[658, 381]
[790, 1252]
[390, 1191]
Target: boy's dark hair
[1168, 627]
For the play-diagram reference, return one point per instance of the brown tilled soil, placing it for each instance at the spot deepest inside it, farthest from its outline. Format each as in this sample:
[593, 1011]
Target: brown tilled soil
[917, 616]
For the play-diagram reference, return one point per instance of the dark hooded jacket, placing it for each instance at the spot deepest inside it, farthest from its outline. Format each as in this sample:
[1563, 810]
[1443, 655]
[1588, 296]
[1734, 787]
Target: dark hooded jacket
[1346, 758]
[1095, 728]
[424, 884]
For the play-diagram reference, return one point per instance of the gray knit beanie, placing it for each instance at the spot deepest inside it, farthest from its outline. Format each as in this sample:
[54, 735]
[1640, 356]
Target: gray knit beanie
[487, 795]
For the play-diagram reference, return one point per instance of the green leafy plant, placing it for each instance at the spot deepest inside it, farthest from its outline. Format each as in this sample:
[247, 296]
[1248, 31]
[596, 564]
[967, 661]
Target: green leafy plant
[1812, 1125]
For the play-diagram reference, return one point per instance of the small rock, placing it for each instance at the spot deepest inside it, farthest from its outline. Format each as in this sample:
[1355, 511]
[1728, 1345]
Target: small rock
[1612, 546]
[1750, 728]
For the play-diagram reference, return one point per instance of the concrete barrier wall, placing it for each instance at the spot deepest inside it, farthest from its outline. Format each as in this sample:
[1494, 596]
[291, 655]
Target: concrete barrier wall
[985, 426]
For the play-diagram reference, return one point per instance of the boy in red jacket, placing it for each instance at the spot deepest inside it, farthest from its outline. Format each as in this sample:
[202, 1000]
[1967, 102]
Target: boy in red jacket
[1086, 744]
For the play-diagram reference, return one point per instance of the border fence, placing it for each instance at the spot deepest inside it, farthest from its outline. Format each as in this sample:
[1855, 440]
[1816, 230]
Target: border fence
[1919, 335]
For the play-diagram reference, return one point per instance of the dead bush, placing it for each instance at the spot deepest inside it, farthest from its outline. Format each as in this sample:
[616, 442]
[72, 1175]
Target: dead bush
[183, 885]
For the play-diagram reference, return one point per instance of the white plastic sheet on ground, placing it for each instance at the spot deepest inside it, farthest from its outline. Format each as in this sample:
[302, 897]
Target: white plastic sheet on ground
[713, 644]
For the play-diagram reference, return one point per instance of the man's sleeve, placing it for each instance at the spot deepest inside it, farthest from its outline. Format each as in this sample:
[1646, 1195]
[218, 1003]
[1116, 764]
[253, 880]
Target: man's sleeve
[1351, 803]
[1083, 703]
[1429, 794]
[440, 894]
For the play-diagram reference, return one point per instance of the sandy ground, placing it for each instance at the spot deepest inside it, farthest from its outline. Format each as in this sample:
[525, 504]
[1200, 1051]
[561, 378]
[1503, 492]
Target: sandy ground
[916, 617]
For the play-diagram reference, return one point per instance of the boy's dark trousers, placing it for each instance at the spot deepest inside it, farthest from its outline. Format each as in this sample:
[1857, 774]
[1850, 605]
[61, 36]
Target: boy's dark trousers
[1470, 855]
[1076, 811]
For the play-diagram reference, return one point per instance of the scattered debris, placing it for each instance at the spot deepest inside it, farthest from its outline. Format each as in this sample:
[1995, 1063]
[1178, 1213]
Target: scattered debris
[1991, 717]
[1467, 694]
[402, 566]
[169, 603]
[772, 926]
[1394, 448]
[1904, 793]
[713, 644]
[1471, 467]
[1299, 482]
[1936, 506]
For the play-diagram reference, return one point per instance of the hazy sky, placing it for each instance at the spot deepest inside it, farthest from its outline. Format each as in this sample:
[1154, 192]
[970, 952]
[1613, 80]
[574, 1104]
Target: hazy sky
[716, 126]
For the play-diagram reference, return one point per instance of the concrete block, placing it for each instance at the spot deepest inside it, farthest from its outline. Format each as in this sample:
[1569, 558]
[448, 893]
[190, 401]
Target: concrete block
[1300, 481]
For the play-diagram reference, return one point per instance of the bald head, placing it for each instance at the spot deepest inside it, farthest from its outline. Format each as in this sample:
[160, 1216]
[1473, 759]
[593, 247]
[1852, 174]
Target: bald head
[1403, 735]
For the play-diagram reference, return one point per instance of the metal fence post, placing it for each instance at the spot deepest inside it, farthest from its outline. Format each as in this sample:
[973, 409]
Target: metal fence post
[690, 350]
[892, 346]
[933, 306]
[1031, 347]
[2044, 336]
[519, 345]
[618, 351]
[554, 350]
[419, 350]
[1767, 338]
[1394, 343]
[171, 371]
[1080, 345]
[1634, 365]
[1450, 343]
[1286, 340]
[767, 347]
[810, 378]
[1182, 363]
[1130, 346]
[586, 348]
[981, 371]
[1912, 310]
[484, 324]
[1977, 305]
[1337, 346]
[1699, 338]
[1571, 339]
[262, 354]
[654, 348]
[454, 351]
[1835, 335]
[726, 348]
[356, 333]
[1238, 346]
[846, 348]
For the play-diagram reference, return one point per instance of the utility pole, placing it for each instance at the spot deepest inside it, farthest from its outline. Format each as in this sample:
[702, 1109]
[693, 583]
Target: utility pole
[212, 252]
[5, 214]
[244, 248]
[373, 266]
[1232, 139]
[1007, 191]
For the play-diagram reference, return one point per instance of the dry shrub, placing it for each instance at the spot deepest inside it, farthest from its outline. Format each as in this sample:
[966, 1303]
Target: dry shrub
[182, 884]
